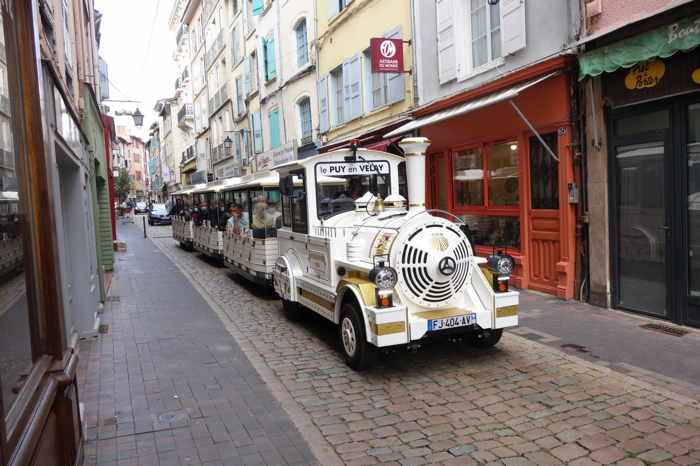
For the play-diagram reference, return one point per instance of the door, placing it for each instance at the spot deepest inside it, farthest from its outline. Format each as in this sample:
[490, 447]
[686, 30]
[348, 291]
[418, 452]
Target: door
[544, 224]
[691, 252]
[641, 196]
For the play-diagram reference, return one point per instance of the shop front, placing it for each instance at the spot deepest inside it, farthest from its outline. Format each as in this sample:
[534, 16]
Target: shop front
[651, 86]
[501, 160]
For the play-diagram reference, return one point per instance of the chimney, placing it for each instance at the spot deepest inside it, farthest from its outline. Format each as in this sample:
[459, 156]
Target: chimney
[414, 150]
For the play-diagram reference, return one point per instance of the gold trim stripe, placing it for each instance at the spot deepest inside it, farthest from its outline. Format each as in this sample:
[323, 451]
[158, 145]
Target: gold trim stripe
[442, 313]
[366, 289]
[317, 299]
[414, 154]
[416, 205]
[507, 311]
[389, 328]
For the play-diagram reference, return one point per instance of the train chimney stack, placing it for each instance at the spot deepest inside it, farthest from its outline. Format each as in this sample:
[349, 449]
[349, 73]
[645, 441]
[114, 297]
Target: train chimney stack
[414, 150]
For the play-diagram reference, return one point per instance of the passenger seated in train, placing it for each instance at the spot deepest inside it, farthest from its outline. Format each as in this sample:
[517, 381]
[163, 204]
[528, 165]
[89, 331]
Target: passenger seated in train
[238, 221]
[222, 217]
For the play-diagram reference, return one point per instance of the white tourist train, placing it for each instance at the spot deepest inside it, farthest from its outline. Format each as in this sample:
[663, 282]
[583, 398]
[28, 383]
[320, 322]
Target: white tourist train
[334, 236]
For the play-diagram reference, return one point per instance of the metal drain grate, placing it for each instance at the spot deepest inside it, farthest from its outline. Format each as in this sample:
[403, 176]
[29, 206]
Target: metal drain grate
[104, 329]
[675, 331]
[113, 299]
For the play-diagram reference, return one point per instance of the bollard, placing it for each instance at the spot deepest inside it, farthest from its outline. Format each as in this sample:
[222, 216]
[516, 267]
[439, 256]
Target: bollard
[144, 227]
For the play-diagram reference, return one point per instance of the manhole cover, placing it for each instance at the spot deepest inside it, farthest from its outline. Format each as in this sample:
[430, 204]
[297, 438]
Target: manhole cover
[172, 417]
[667, 329]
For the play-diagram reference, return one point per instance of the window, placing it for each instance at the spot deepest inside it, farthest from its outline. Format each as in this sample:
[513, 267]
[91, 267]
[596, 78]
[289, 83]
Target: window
[269, 58]
[382, 89]
[337, 113]
[336, 6]
[67, 39]
[544, 173]
[486, 188]
[240, 99]
[266, 214]
[236, 45]
[274, 121]
[294, 213]
[302, 44]
[252, 79]
[257, 133]
[337, 194]
[485, 26]
[305, 120]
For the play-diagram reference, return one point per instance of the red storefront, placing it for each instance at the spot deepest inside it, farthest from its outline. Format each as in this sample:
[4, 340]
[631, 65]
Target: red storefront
[501, 159]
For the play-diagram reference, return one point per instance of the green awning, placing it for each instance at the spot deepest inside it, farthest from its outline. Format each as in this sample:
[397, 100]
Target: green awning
[662, 42]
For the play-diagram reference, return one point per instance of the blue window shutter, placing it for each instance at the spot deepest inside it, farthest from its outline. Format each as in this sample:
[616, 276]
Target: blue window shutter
[258, 7]
[271, 69]
[238, 146]
[323, 104]
[274, 118]
[333, 8]
[246, 73]
[302, 44]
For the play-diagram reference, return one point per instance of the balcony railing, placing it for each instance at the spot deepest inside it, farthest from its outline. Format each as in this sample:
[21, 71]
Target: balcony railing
[218, 100]
[208, 8]
[220, 153]
[180, 33]
[213, 49]
[185, 116]
[188, 155]
[182, 80]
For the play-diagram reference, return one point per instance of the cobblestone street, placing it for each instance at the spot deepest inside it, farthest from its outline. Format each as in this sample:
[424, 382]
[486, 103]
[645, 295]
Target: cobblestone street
[519, 403]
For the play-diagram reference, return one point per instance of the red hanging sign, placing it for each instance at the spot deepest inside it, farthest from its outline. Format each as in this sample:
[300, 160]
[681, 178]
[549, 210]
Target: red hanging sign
[387, 55]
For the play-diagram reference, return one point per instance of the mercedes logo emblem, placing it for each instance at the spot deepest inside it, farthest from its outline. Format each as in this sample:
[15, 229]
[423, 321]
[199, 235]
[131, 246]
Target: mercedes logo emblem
[447, 266]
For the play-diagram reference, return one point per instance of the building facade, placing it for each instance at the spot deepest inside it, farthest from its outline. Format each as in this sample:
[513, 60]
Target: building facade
[500, 160]
[639, 73]
[54, 218]
[354, 102]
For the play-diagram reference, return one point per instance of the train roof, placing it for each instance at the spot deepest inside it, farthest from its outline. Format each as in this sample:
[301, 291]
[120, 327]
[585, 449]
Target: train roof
[264, 179]
[188, 189]
[325, 155]
[9, 196]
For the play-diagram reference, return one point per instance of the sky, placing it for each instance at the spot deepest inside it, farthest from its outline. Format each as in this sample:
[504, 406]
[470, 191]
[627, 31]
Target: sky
[138, 71]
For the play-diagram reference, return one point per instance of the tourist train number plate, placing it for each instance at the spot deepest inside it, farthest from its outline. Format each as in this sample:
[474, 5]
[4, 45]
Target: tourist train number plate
[452, 322]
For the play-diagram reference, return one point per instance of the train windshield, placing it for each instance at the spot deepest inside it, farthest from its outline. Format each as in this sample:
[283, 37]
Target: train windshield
[339, 184]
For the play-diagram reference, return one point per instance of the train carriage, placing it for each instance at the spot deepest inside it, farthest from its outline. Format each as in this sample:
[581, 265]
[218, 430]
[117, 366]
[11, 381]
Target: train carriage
[182, 225]
[209, 218]
[250, 240]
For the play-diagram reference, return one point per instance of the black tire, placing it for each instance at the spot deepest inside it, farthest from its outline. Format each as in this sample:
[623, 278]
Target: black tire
[292, 311]
[351, 335]
[150, 223]
[485, 338]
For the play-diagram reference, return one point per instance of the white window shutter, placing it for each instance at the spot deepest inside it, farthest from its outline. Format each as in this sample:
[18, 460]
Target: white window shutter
[395, 81]
[347, 98]
[354, 87]
[512, 26]
[447, 55]
[246, 76]
[323, 104]
[332, 8]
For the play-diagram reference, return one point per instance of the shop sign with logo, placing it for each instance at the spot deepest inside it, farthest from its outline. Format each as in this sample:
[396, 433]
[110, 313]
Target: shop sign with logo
[654, 79]
[387, 55]
[277, 156]
[645, 74]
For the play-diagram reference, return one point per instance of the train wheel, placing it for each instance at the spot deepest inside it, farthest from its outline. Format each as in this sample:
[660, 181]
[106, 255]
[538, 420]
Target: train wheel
[292, 311]
[485, 338]
[353, 341]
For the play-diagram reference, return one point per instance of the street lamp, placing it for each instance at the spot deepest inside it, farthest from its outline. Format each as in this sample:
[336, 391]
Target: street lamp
[137, 116]
[228, 143]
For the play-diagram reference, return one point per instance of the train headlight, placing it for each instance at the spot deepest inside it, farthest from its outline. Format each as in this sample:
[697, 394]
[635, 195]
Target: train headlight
[385, 278]
[500, 263]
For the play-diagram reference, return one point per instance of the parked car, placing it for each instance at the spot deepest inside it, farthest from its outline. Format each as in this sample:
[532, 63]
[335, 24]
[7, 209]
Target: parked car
[159, 215]
[141, 208]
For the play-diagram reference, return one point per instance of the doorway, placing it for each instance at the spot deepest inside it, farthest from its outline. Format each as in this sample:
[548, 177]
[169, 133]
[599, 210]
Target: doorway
[654, 154]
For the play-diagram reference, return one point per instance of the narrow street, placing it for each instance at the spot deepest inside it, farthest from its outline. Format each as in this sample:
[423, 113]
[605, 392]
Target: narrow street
[199, 367]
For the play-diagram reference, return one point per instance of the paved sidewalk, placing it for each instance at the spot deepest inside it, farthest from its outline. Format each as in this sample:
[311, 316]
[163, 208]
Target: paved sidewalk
[614, 339]
[521, 402]
[168, 385]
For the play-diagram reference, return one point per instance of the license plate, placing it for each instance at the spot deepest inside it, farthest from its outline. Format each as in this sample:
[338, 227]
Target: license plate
[452, 322]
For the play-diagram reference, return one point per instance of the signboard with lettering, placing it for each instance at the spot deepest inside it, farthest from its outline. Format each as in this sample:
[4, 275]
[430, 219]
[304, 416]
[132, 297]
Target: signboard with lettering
[653, 79]
[387, 55]
[373, 167]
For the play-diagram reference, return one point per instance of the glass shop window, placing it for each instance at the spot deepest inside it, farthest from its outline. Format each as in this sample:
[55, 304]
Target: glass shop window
[16, 358]
[502, 180]
[544, 173]
[493, 230]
